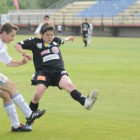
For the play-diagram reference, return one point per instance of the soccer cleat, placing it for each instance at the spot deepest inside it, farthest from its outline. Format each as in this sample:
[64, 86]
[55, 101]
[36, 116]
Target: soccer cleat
[91, 99]
[21, 128]
[34, 115]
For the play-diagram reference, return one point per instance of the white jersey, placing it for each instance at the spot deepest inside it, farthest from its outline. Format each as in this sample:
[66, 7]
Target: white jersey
[91, 28]
[59, 28]
[4, 56]
[38, 28]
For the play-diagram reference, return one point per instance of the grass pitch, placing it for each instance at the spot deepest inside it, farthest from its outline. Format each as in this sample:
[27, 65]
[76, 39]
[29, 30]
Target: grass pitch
[110, 65]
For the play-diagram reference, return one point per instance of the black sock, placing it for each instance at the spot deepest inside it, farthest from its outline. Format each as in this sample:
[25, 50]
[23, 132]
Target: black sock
[76, 95]
[33, 106]
[86, 42]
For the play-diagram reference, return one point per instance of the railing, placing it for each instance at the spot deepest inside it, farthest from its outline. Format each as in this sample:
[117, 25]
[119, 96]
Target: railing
[24, 18]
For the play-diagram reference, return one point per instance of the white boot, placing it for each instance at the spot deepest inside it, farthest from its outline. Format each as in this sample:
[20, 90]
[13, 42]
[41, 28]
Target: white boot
[91, 99]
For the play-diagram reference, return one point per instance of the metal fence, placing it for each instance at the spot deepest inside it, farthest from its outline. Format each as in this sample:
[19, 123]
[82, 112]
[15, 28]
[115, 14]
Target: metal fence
[36, 18]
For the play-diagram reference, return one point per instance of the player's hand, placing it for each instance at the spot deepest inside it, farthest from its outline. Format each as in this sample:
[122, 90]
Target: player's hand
[71, 38]
[27, 56]
[24, 60]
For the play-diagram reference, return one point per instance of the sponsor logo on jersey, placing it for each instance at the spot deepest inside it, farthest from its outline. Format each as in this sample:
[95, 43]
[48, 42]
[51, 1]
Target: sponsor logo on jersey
[55, 50]
[46, 44]
[50, 57]
[39, 45]
[45, 52]
[41, 78]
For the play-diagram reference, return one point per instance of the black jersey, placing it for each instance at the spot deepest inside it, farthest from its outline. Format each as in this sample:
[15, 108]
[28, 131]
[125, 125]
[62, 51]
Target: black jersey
[45, 55]
[85, 27]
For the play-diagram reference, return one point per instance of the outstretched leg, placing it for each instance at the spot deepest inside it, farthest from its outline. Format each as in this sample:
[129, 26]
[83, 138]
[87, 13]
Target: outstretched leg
[65, 83]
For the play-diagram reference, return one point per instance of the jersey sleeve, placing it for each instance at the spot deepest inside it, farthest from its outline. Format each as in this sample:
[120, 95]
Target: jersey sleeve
[27, 44]
[58, 40]
[5, 58]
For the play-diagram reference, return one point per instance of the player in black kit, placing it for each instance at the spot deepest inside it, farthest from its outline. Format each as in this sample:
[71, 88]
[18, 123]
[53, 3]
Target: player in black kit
[85, 28]
[49, 67]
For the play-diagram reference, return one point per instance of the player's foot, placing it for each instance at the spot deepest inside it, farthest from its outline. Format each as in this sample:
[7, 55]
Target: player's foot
[91, 99]
[85, 45]
[21, 128]
[34, 115]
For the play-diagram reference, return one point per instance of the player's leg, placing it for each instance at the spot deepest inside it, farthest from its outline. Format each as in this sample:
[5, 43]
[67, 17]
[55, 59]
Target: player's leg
[18, 99]
[9, 106]
[89, 39]
[39, 80]
[34, 103]
[39, 90]
[65, 83]
[85, 35]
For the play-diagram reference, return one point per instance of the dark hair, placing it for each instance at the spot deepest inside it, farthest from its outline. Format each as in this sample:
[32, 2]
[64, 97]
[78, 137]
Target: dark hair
[46, 27]
[8, 27]
[46, 16]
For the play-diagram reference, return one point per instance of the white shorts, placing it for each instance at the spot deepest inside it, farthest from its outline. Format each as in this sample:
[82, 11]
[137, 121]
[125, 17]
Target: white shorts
[3, 79]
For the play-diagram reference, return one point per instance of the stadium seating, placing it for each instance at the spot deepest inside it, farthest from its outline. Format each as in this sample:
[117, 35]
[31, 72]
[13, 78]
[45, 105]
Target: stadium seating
[69, 12]
[106, 8]
[126, 12]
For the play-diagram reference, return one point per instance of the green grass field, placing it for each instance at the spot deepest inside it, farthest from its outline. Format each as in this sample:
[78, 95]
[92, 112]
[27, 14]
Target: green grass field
[110, 65]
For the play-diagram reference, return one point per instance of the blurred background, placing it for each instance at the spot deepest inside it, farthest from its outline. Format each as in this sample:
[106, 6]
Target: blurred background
[117, 18]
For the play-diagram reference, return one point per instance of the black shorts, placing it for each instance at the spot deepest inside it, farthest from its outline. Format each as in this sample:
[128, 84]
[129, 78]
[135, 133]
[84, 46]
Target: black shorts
[48, 78]
[85, 34]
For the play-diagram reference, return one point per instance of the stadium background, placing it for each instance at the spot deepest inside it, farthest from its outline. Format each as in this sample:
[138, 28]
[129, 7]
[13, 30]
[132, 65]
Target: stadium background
[120, 18]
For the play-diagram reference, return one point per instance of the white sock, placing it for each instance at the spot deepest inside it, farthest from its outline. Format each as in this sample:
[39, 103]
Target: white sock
[12, 114]
[89, 40]
[21, 103]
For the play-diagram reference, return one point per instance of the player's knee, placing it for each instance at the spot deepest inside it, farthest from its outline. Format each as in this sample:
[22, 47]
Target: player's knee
[70, 87]
[5, 96]
[12, 88]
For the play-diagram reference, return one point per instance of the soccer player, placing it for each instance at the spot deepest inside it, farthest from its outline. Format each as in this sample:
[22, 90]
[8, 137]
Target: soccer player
[85, 27]
[59, 29]
[49, 66]
[8, 91]
[90, 33]
[45, 20]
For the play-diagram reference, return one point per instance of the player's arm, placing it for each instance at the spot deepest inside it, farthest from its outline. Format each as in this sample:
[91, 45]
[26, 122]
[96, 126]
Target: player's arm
[20, 50]
[37, 32]
[38, 35]
[7, 60]
[17, 63]
[69, 38]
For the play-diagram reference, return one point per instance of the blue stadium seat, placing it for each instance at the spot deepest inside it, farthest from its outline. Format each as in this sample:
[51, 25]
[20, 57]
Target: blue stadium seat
[106, 8]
